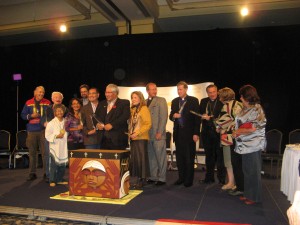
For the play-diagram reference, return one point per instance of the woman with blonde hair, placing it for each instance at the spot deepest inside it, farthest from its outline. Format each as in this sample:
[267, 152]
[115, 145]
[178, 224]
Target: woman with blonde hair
[138, 132]
[225, 125]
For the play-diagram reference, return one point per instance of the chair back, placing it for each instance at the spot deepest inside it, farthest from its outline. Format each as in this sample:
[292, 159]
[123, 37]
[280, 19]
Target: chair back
[274, 139]
[21, 140]
[294, 136]
[4, 141]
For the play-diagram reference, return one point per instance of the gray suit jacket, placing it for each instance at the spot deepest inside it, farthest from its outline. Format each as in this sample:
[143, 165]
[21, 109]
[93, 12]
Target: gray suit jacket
[159, 116]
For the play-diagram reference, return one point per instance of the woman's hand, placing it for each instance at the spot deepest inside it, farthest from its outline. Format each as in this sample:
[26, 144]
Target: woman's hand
[133, 135]
[234, 135]
[60, 135]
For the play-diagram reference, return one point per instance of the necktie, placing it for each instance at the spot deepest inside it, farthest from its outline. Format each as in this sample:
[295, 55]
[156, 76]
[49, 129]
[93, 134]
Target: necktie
[181, 107]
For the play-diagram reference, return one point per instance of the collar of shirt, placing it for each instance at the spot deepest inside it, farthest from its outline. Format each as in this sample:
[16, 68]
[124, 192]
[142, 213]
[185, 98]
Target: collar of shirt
[94, 106]
[111, 103]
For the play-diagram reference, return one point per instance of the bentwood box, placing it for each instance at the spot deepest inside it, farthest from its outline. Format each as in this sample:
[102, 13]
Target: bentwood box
[99, 173]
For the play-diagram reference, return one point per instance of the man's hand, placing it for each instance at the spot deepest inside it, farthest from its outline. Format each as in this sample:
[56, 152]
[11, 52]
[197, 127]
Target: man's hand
[35, 115]
[206, 117]
[108, 127]
[100, 126]
[195, 138]
[176, 115]
[92, 131]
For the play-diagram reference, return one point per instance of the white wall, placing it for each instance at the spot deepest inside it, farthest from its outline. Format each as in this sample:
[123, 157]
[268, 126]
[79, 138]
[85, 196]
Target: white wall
[169, 93]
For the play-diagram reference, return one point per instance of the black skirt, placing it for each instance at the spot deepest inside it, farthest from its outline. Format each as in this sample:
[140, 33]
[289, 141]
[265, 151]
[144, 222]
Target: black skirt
[139, 161]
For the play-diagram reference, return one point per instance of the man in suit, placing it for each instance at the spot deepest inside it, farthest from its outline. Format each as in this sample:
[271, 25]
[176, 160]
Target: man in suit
[113, 114]
[157, 144]
[92, 136]
[185, 133]
[210, 108]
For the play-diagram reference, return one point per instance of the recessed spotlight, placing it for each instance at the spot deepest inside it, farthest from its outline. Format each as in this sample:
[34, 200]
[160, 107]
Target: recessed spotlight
[244, 11]
[63, 28]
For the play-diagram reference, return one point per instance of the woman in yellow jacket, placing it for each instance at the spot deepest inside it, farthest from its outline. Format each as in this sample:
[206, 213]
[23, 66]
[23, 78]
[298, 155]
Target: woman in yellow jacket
[139, 126]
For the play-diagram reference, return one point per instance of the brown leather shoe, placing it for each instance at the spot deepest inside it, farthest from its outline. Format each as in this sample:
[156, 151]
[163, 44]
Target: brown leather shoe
[178, 182]
[149, 181]
[31, 177]
[159, 183]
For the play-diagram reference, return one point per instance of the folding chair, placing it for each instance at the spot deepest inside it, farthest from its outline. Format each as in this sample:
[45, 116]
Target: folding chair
[294, 136]
[20, 148]
[272, 152]
[170, 151]
[5, 145]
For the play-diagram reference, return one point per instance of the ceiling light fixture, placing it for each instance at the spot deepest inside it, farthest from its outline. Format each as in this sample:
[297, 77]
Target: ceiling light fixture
[244, 11]
[63, 28]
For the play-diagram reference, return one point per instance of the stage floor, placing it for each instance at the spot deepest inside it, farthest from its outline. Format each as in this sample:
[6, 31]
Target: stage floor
[199, 202]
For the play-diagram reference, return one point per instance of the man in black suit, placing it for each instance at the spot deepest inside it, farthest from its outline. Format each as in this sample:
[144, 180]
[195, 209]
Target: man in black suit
[186, 133]
[210, 108]
[113, 115]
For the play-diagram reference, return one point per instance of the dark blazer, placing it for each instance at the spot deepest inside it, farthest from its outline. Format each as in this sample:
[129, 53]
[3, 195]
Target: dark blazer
[117, 117]
[209, 125]
[191, 122]
[90, 123]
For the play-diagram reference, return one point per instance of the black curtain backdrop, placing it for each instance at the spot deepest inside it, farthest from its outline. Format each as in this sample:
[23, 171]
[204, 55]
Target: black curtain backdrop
[267, 58]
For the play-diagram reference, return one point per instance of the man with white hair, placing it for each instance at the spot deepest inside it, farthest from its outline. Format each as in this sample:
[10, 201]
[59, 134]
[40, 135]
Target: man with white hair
[114, 113]
[32, 111]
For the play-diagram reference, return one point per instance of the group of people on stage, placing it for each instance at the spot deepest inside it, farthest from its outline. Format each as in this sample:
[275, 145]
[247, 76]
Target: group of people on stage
[232, 134]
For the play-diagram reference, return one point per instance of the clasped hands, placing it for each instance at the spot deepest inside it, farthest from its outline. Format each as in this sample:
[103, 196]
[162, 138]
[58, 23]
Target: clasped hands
[35, 115]
[106, 127]
[206, 117]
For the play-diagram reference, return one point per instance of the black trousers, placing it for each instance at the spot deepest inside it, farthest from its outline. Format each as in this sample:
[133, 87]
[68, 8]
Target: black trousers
[237, 167]
[185, 156]
[107, 143]
[213, 156]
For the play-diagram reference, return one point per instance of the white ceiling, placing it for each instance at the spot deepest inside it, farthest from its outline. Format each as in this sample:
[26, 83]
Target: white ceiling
[27, 21]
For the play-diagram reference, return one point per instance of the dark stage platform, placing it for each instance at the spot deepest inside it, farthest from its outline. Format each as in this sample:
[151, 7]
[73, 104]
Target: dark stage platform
[200, 202]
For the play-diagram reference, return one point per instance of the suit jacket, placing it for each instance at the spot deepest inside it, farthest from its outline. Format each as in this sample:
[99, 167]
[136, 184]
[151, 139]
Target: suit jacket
[117, 117]
[191, 122]
[208, 126]
[159, 116]
[90, 123]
